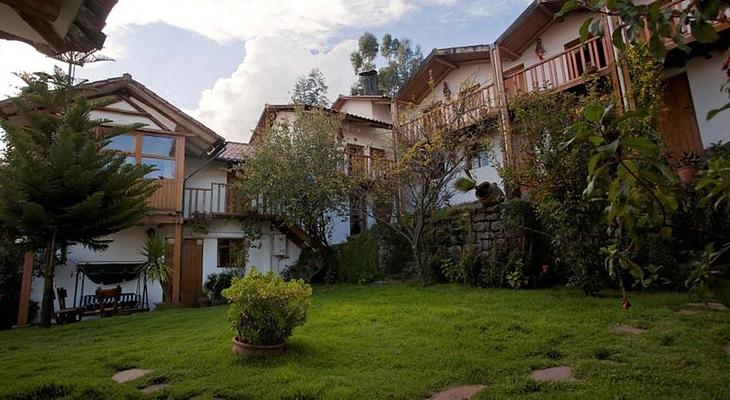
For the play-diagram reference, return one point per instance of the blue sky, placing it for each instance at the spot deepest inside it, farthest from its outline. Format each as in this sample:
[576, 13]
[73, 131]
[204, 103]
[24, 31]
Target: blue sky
[222, 60]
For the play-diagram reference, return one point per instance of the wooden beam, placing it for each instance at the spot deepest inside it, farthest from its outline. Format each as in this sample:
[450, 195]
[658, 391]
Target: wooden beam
[177, 262]
[25, 289]
[511, 54]
[446, 63]
[48, 10]
[46, 30]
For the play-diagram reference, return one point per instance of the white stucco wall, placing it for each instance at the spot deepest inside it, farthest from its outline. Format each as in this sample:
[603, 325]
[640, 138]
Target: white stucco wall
[554, 40]
[705, 77]
[125, 246]
[260, 254]
[476, 73]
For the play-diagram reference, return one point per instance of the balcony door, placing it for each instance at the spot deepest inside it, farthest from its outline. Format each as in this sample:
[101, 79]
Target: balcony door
[678, 122]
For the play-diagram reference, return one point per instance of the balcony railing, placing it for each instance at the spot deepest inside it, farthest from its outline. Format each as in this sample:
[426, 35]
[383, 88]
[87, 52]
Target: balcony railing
[165, 197]
[219, 199]
[561, 71]
[362, 165]
[462, 112]
[685, 29]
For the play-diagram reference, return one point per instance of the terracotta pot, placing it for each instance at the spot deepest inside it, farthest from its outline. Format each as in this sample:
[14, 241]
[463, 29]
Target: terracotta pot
[253, 350]
[687, 174]
[488, 194]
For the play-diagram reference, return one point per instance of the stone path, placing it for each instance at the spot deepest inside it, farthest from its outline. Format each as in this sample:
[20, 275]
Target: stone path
[130, 375]
[155, 388]
[621, 328]
[712, 306]
[458, 393]
[554, 374]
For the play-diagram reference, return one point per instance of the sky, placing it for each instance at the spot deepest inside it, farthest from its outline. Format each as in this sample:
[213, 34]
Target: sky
[221, 61]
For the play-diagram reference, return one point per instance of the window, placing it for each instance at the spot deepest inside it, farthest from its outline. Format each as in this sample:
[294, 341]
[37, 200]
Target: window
[154, 150]
[231, 252]
[481, 160]
[164, 169]
[124, 143]
[158, 146]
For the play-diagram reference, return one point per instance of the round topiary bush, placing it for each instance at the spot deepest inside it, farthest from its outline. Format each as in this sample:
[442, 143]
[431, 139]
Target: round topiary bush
[265, 309]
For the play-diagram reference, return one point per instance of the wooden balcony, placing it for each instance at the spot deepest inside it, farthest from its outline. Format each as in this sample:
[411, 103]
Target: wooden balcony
[217, 200]
[362, 165]
[165, 198]
[462, 112]
[685, 30]
[561, 71]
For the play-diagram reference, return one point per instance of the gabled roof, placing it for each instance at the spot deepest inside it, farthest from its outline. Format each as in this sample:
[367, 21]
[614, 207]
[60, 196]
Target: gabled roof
[234, 151]
[56, 26]
[536, 18]
[436, 66]
[270, 110]
[342, 99]
[200, 137]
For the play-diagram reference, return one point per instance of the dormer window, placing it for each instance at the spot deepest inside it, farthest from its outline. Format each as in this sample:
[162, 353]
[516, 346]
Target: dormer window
[155, 150]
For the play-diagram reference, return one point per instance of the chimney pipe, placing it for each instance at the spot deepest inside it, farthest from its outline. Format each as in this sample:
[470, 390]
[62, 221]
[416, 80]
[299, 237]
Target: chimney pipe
[369, 80]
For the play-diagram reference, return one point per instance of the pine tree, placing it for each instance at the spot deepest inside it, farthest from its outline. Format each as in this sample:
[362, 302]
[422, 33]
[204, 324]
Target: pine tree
[311, 90]
[58, 184]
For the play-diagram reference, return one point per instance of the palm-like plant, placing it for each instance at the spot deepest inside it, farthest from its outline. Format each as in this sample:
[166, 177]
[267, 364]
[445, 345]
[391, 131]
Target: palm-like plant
[157, 266]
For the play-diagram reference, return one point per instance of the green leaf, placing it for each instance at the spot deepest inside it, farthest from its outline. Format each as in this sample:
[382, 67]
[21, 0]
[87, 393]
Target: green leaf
[593, 162]
[593, 113]
[569, 6]
[640, 143]
[703, 31]
[585, 29]
[713, 113]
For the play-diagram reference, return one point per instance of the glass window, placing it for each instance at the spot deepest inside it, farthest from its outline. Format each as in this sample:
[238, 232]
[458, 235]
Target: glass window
[122, 143]
[158, 146]
[132, 160]
[164, 169]
[231, 252]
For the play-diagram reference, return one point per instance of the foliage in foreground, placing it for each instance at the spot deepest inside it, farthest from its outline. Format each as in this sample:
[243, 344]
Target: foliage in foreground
[396, 341]
[264, 309]
[60, 186]
[296, 171]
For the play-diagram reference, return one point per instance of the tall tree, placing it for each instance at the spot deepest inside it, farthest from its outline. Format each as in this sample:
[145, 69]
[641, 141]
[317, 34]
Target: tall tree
[311, 90]
[401, 57]
[296, 170]
[58, 184]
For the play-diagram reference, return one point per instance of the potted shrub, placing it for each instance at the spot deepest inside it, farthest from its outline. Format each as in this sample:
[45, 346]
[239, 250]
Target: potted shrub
[687, 168]
[487, 193]
[264, 310]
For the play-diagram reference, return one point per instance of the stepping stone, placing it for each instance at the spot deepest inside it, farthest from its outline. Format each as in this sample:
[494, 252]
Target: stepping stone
[687, 312]
[130, 375]
[621, 328]
[155, 388]
[554, 374]
[458, 393]
[712, 306]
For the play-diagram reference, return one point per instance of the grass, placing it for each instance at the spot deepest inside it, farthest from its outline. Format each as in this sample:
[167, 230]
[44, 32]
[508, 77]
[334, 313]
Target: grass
[390, 342]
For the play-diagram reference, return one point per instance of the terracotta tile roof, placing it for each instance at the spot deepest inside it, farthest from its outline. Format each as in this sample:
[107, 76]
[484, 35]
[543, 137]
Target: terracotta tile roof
[234, 151]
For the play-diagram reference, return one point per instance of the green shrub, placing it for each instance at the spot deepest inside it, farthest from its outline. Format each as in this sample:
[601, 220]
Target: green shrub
[265, 309]
[357, 259]
[216, 283]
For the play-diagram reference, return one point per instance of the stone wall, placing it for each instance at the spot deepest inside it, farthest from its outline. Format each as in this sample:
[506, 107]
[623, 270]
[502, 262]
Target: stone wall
[472, 227]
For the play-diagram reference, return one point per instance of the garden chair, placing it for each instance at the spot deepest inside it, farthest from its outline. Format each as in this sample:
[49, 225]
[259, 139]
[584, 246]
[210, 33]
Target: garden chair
[65, 314]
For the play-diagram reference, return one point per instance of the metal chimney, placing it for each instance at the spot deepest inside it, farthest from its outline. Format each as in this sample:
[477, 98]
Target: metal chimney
[369, 80]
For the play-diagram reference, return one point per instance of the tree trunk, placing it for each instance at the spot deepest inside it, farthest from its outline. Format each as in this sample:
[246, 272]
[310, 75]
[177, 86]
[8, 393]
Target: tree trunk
[419, 264]
[48, 273]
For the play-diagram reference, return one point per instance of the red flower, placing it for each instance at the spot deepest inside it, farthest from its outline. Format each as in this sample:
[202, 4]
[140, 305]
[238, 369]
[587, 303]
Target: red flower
[545, 269]
[626, 304]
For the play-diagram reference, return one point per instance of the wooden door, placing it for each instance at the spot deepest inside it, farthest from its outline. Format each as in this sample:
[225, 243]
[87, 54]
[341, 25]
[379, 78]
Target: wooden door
[192, 272]
[678, 122]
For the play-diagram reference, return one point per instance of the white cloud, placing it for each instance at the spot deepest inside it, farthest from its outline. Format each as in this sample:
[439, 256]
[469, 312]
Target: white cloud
[267, 74]
[19, 57]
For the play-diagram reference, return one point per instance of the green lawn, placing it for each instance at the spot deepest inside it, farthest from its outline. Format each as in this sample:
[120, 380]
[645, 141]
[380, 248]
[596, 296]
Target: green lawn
[390, 342]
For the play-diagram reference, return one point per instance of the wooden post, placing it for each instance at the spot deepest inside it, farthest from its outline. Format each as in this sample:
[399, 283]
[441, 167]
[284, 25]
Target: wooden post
[25, 289]
[177, 262]
[503, 105]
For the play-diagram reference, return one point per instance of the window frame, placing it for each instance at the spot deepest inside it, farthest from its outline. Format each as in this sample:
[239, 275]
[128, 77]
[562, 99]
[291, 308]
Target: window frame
[139, 155]
[228, 246]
